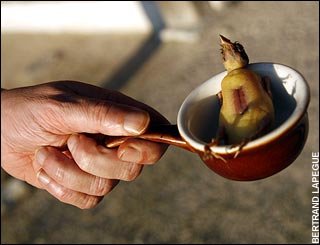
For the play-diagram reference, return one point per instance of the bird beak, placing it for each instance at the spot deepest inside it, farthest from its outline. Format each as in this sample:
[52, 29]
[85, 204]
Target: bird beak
[224, 40]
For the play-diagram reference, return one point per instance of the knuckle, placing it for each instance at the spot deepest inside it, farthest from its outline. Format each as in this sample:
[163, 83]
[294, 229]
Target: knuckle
[101, 112]
[88, 202]
[131, 172]
[99, 186]
[68, 196]
[156, 153]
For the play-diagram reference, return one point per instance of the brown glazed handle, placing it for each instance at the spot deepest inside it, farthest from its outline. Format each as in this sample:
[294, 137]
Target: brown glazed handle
[165, 133]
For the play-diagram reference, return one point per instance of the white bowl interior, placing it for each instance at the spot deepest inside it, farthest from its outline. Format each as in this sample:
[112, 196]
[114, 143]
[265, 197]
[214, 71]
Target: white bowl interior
[199, 114]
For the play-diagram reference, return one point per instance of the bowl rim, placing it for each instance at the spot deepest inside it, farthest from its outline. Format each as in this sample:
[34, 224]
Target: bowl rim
[298, 112]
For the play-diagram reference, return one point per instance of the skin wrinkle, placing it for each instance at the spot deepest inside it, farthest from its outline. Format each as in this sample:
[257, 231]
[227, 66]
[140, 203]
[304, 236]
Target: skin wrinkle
[98, 186]
[100, 113]
[131, 171]
[23, 131]
[82, 114]
[46, 119]
[89, 202]
[61, 110]
[65, 195]
[60, 174]
[103, 115]
[61, 191]
[146, 158]
[53, 125]
[26, 177]
[47, 115]
[126, 171]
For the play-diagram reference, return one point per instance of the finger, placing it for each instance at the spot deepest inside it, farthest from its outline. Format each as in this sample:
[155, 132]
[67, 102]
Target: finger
[141, 151]
[94, 92]
[105, 117]
[66, 172]
[100, 161]
[66, 195]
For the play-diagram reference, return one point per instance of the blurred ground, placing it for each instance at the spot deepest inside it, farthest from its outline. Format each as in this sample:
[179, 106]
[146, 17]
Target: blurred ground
[177, 200]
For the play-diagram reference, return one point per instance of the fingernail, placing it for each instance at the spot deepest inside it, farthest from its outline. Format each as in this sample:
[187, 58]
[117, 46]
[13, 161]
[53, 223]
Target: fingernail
[136, 121]
[41, 155]
[131, 154]
[43, 177]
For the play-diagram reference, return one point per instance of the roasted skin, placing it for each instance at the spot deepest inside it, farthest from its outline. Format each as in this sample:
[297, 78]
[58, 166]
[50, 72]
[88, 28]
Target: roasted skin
[247, 110]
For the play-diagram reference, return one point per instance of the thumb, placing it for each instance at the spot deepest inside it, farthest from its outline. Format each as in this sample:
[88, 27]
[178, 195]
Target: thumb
[105, 117]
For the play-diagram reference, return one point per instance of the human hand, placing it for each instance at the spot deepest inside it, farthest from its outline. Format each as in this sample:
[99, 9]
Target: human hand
[50, 139]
